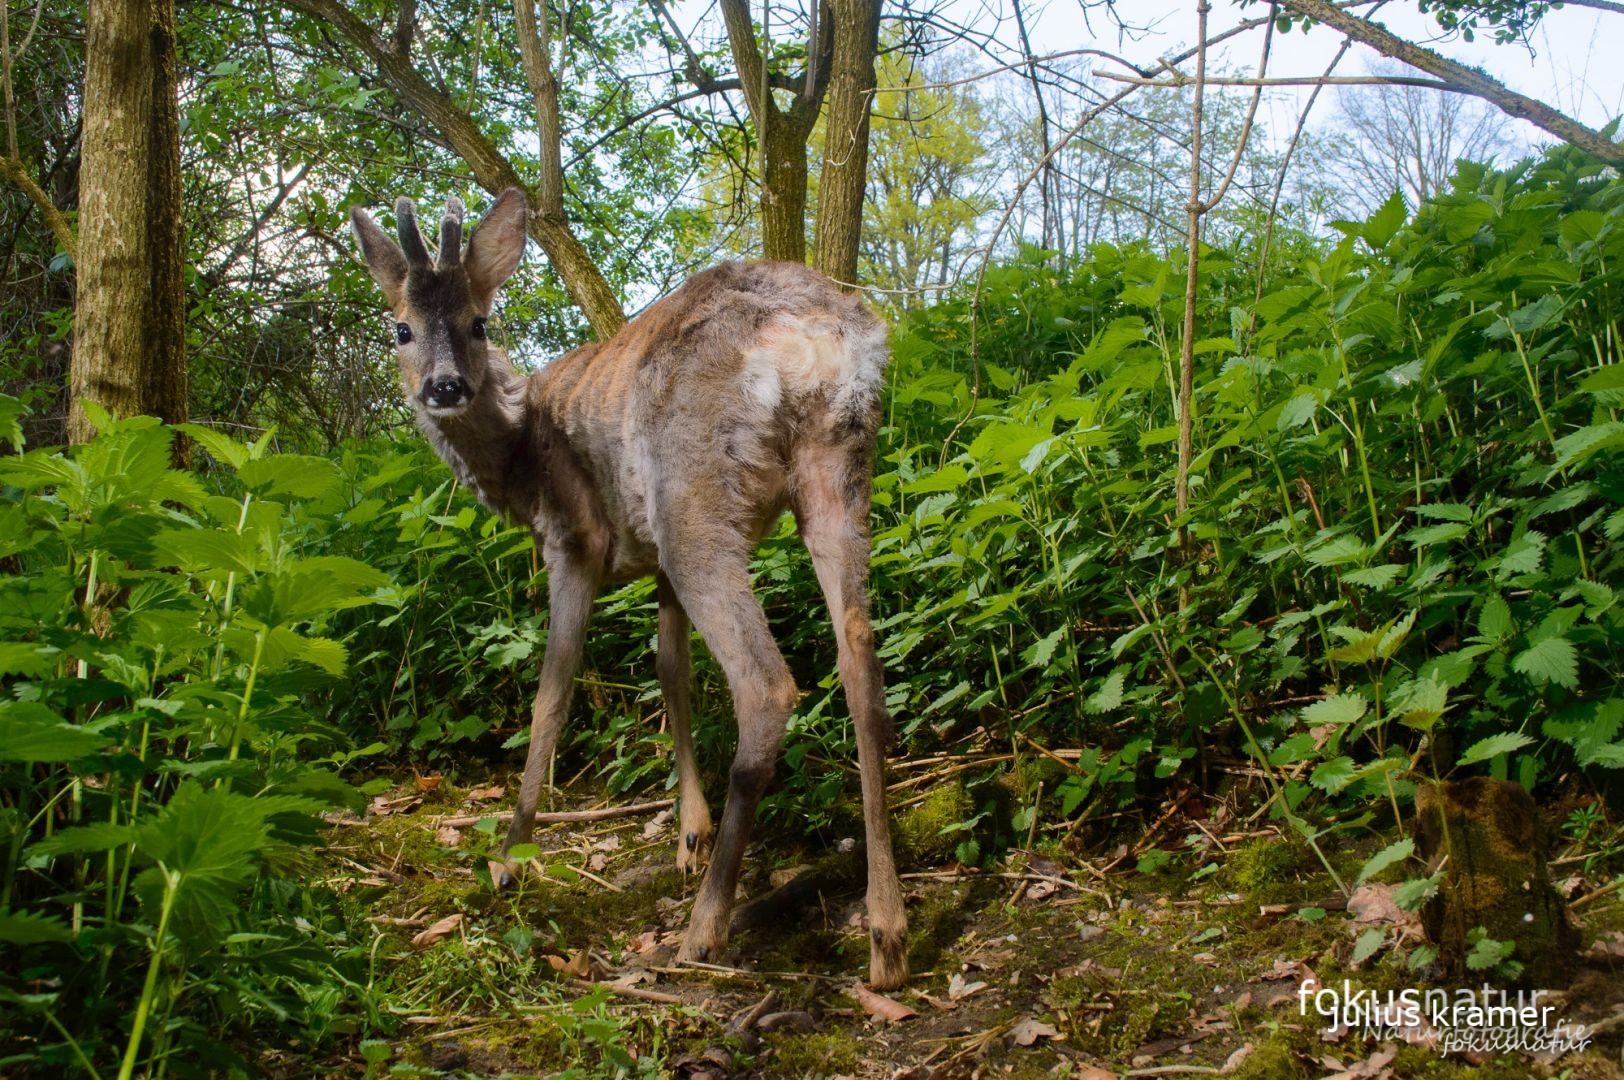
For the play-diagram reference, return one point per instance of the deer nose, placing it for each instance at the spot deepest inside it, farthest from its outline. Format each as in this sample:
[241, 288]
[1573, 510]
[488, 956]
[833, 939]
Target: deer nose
[445, 392]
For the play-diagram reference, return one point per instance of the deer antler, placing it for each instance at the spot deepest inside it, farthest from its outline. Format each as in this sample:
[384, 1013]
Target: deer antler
[411, 241]
[451, 234]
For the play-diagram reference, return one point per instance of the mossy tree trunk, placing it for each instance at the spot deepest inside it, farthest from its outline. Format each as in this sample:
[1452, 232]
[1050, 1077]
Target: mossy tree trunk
[129, 348]
[1496, 877]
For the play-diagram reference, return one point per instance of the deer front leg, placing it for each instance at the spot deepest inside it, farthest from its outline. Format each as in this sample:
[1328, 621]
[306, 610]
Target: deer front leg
[673, 663]
[570, 589]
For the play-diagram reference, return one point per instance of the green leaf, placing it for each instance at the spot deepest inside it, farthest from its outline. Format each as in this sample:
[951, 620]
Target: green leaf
[1039, 653]
[221, 447]
[1523, 555]
[83, 840]
[1343, 708]
[301, 476]
[1297, 411]
[1381, 226]
[1494, 746]
[1536, 316]
[1573, 449]
[1417, 891]
[1427, 535]
[1419, 702]
[1334, 775]
[28, 659]
[1367, 945]
[1387, 856]
[31, 732]
[1375, 577]
[1494, 619]
[1445, 511]
[1108, 696]
[32, 928]
[1553, 660]
[309, 588]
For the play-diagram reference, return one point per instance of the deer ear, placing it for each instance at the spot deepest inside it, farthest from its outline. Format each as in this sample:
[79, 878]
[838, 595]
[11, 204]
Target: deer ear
[383, 258]
[495, 247]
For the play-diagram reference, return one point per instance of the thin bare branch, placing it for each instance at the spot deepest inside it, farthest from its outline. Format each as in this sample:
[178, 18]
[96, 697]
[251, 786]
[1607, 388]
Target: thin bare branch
[1180, 79]
[1246, 128]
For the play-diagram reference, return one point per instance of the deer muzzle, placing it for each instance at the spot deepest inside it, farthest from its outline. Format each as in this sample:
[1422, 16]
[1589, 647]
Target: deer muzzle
[445, 392]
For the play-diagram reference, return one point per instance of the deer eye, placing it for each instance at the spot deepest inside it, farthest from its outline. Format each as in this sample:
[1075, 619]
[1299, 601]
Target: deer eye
[403, 333]
[477, 330]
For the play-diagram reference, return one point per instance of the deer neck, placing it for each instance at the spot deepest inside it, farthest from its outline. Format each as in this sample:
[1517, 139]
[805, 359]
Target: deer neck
[484, 444]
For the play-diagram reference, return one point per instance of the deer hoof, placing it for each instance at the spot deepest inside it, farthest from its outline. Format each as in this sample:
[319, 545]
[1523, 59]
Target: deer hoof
[693, 849]
[503, 875]
[707, 948]
[888, 959]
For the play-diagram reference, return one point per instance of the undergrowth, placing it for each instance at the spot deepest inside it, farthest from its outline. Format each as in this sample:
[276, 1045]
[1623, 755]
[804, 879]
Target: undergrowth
[1402, 562]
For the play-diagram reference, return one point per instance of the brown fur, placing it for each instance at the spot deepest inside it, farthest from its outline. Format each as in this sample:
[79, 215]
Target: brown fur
[669, 450]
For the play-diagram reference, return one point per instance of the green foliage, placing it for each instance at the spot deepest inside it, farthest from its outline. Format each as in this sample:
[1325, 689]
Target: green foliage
[163, 646]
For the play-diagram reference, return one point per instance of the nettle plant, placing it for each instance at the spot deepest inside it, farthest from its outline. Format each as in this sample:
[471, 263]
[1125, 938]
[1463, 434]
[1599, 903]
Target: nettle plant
[1406, 507]
[161, 645]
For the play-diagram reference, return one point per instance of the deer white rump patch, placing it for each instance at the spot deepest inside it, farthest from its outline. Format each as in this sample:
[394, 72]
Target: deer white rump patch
[814, 355]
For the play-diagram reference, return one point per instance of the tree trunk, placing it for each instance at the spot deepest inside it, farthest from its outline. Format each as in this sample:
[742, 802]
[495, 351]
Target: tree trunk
[783, 194]
[129, 347]
[782, 133]
[845, 149]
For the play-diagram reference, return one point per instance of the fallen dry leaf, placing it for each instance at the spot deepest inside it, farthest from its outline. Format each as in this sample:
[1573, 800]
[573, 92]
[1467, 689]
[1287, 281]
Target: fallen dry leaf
[654, 826]
[426, 784]
[439, 930]
[1608, 946]
[382, 807]
[448, 836]
[1029, 1031]
[579, 965]
[608, 843]
[1373, 904]
[881, 1007]
[597, 862]
[1041, 890]
[959, 988]
[485, 794]
[1094, 1072]
[643, 942]
[1234, 1060]
[936, 1002]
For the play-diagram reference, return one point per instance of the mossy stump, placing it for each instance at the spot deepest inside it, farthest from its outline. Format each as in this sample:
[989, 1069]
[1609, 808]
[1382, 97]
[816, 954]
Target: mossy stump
[1496, 878]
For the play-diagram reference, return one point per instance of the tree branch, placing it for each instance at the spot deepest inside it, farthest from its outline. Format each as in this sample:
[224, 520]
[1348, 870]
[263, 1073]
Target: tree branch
[1180, 79]
[13, 170]
[1462, 78]
[1599, 5]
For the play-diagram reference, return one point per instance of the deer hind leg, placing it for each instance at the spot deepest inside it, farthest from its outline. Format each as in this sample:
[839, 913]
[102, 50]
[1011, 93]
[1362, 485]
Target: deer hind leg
[830, 487]
[570, 589]
[693, 816]
[711, 577]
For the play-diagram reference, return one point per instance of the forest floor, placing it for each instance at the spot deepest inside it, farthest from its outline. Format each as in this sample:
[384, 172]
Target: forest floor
[1048, 965]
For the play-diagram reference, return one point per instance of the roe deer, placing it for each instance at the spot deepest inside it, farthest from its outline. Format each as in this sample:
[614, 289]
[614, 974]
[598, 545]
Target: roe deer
[669, 450]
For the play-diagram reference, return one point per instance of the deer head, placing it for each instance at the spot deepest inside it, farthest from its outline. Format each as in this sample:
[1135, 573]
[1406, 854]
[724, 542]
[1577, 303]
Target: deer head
[441, 304]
